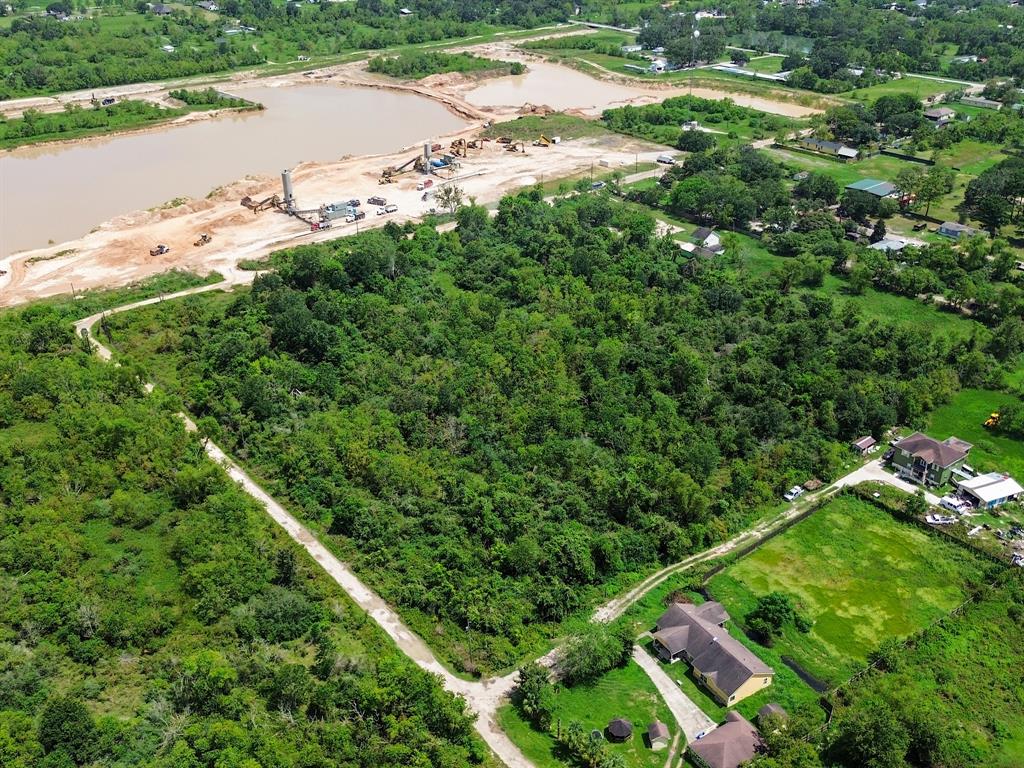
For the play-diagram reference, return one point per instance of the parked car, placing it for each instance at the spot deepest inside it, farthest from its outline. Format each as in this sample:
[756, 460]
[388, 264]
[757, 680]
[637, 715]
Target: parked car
[390, 208]
[381, 211]
[597, 185]
[353, 203]
[954, 504]
[888, 454]
[793, 493]
[666, 160]
[376, 200]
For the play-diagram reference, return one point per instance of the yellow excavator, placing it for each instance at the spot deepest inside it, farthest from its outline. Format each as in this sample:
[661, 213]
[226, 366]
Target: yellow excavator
[993, 420]
[392, 172]
[516, 146]
[203, 240]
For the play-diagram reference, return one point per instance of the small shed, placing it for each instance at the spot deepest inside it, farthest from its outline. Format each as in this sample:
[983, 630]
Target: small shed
[620, 729]
[657, 735]
[863, 444]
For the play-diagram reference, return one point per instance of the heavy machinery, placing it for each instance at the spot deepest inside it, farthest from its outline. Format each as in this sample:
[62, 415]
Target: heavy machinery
[992, 421]
[516, 146]
[543, 141]
[203, 240]
[503, 140]
[271, 202]
[160, 250]
[458, 148]
[392, 172]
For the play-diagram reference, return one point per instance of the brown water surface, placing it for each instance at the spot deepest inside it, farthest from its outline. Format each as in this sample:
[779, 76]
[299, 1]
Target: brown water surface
[59, 192]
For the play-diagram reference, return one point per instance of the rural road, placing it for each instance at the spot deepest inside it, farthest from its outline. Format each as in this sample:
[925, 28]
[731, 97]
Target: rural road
[486, 696]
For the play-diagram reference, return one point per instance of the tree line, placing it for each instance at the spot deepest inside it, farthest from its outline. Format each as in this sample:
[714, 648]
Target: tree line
[496, 423]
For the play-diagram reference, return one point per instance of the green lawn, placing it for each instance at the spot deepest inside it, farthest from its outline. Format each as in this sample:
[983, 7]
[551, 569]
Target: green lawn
[766, 64]
[919, 87]
[964, 417]
[858, 574]
[626, 692]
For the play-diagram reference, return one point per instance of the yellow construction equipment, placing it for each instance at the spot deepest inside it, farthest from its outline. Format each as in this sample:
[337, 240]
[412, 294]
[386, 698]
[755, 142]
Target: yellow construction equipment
[458, 148]
[992, 421]
[392, 172]
[203, 240]
[504, 140]
[516, 146]
[543, 141]
[271, 202]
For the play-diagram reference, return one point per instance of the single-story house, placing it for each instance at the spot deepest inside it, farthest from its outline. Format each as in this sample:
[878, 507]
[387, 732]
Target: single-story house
[964, 59]
[631, 48]
[864, 444]
[978, 101]
[726, 667]
[208, 5]
[925, 460]
[875, 187]
[657, 735]
[706, 237]
[829, 148]
[889, 244]
[991, 490]
[620, 729]
[733, 742]
[940, 115]
[159, 9]
[956, 230]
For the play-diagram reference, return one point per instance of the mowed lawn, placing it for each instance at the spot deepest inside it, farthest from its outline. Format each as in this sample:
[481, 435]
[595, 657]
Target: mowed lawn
[965, 417]
[859, 575]
[626, 692]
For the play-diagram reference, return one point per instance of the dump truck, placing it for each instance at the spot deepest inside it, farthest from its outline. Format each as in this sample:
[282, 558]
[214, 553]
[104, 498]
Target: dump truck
[425, 184]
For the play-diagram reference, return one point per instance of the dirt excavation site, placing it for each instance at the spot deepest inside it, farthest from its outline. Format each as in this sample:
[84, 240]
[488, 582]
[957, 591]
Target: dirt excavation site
[127, 248]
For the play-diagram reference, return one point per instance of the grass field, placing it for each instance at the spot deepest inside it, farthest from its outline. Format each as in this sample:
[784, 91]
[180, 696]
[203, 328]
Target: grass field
[964, 417]
[766, 64]
[858, 574]
[626, 692]
[918, 86]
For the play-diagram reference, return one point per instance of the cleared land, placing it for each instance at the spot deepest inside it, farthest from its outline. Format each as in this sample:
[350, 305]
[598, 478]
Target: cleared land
[858, 574]
[626, 692]
[965, 416]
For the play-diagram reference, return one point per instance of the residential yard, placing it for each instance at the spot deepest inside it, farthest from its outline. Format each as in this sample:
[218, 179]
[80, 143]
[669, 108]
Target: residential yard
[626, 692]
[920, 87]
[859, 575]
[766, 64]
[964, 417]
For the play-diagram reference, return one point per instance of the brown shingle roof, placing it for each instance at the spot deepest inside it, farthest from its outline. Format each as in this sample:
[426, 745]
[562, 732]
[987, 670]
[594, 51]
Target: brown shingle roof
[732, 743]
[721, 657]
[931, 450]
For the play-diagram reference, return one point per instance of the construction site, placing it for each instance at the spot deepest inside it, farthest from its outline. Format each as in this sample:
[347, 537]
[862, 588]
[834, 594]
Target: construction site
[312, 202]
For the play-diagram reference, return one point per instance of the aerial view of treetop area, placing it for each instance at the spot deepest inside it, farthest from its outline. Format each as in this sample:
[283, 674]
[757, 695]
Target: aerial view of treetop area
[523, 384]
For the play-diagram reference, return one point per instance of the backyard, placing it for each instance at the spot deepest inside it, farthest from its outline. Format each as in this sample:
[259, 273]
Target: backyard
[965, 417]
[858, 574]
[625, 692]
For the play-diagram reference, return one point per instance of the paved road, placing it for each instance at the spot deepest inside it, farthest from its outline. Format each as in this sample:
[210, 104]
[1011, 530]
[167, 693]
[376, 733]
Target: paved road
[688, 715]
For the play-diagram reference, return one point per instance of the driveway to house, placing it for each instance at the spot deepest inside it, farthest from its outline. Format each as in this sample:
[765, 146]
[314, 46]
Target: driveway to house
[688, 715]
[873, 471]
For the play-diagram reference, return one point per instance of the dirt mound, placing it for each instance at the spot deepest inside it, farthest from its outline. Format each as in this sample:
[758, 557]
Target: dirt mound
[542, 110]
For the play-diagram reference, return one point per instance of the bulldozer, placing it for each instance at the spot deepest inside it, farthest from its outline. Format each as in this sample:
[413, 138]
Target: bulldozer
[203, 240]
[160, 250]
[992, 421]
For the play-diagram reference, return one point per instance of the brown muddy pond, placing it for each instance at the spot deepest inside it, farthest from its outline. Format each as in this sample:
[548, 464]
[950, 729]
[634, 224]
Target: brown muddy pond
[60, 192]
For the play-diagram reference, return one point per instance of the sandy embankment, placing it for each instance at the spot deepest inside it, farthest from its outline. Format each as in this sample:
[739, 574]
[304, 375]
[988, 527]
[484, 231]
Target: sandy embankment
[117, 252]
